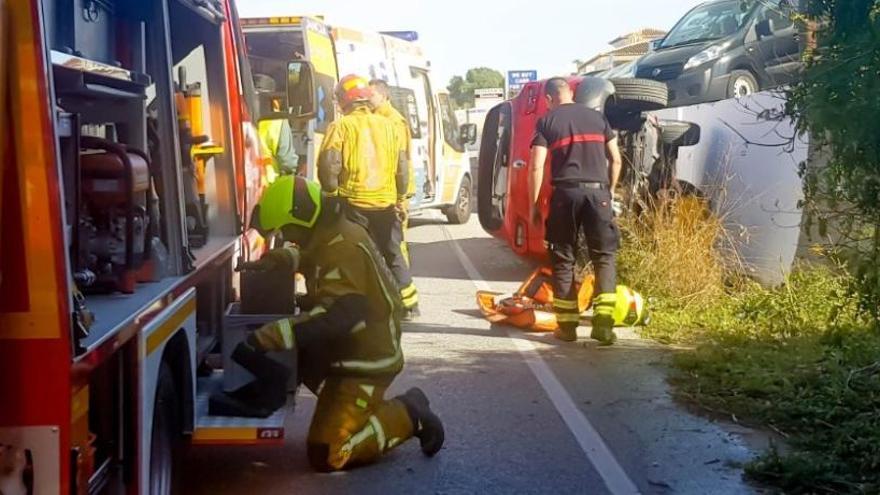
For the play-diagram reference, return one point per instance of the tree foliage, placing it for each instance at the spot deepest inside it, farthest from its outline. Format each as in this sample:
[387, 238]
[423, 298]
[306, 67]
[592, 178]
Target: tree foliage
[461, 89]
[838, 103]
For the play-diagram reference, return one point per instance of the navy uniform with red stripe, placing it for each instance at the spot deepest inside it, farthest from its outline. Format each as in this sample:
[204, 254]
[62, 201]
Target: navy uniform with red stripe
[576, 138]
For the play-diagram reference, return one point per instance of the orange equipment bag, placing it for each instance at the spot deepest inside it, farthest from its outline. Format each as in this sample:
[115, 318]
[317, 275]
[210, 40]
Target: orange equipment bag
[531, 306]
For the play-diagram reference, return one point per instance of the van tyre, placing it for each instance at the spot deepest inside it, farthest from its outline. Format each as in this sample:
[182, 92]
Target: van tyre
[742, 83]
[166, 444]
[679, 133]
[639, 95]
[460, 212]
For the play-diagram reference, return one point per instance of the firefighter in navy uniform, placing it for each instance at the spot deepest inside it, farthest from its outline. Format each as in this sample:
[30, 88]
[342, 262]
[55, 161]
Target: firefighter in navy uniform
[364, 160]
[581, 144]
[348, 340]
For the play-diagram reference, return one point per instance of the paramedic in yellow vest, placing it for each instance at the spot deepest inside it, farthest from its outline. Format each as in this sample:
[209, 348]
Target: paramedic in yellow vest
[347, 339]
[276, 137]
[381, 102]
[363, 161]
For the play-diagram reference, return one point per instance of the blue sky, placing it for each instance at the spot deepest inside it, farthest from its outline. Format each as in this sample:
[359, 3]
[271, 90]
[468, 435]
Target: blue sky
[504, 35]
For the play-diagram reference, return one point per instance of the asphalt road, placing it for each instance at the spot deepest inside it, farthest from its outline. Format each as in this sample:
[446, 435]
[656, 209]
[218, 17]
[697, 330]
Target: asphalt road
[523, 412]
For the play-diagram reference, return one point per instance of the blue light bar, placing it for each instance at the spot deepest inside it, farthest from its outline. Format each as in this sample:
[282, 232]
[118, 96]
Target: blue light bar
[404, 35]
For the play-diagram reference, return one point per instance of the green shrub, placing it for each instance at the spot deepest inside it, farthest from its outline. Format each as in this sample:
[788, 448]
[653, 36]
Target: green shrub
[802, 359]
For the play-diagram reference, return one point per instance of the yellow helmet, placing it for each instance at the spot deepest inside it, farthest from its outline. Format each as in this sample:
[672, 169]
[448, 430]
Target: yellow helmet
[352, 89]
[289, 201]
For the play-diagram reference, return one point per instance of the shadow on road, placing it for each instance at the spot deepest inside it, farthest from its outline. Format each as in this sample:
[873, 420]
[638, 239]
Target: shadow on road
[490, 256]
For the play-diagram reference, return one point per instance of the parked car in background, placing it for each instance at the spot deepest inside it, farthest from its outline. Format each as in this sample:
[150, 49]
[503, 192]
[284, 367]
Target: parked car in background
[726, 49]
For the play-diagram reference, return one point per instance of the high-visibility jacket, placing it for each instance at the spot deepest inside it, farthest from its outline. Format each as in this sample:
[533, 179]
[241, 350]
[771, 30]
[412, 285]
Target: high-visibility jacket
[388, 111]
[276, 143]
[370, 152]
[343, 260]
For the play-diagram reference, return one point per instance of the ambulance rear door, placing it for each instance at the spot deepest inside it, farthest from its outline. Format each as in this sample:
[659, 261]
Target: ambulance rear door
[414, 90]
[371, 55]
[273, 43]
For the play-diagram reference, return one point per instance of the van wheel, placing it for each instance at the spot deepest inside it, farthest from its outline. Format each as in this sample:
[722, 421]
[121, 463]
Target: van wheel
[166, 441]
[639, 95]
[460, 212]
[676, 133]
[742, 83]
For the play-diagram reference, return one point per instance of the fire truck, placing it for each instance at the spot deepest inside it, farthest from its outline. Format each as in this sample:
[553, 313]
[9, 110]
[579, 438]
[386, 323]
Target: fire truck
[130, 162]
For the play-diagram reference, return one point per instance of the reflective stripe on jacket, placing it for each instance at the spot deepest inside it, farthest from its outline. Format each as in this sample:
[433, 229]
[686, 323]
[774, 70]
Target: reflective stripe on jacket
[370, 152]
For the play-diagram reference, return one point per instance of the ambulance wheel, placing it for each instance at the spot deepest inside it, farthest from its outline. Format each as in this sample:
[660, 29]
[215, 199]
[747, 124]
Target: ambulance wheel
[166, 441]
[460, 212]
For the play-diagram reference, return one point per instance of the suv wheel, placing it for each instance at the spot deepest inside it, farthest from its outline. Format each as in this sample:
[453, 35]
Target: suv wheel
[742, 83]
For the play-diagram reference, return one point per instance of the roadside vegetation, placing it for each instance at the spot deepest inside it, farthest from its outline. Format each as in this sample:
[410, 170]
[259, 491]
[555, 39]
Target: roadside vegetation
[799, 359]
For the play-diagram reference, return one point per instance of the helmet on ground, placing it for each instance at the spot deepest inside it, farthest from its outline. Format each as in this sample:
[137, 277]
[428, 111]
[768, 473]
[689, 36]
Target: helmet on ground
[290, 201]
[352, 89]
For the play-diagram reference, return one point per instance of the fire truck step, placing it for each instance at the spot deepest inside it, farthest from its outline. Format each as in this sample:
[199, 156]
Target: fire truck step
[218, 430]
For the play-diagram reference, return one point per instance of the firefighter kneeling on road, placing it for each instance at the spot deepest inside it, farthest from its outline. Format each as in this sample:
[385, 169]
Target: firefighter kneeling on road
[363, 159]
[348, 341]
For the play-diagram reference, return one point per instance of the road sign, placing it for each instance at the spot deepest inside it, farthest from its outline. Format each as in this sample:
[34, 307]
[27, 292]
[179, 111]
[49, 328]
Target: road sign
[486, 98]
[489, 93]
[516, 79]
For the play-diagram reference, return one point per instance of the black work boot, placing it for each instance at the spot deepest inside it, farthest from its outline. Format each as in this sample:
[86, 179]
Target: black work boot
[603, 330]
[566, 333]
[427, 426]
[411, 314]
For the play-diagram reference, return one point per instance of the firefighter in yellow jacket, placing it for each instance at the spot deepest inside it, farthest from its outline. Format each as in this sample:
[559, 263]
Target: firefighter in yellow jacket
[380, 100]
[276, 137]
[349, 337]
[364, 160]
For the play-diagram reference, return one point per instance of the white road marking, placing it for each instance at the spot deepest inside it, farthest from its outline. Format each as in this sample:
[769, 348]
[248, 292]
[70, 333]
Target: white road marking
[590, 441]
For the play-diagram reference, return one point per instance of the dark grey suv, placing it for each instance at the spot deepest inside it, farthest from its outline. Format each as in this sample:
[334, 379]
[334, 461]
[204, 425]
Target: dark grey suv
[725, 49]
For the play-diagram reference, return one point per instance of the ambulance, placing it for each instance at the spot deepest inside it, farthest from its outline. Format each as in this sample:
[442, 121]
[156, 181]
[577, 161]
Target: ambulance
[320, 54]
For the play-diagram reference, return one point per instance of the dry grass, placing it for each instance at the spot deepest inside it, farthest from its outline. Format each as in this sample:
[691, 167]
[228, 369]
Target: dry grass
[675, 250]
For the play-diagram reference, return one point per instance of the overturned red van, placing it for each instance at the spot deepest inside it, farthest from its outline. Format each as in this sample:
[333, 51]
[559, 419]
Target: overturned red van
[648, 146]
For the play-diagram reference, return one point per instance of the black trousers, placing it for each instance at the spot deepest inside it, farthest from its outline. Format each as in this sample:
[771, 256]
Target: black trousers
[386, 230]
[579, 208]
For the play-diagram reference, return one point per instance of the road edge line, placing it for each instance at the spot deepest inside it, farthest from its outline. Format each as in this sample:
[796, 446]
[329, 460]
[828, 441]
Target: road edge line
[597, 451]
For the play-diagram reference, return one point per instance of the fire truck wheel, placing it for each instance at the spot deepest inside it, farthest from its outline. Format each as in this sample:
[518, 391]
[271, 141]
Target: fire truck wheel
[166, 442]
[460, 212]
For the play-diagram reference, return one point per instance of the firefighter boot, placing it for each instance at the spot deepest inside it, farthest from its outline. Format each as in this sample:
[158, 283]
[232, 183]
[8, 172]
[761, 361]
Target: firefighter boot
[411, 314]
[603, 319]
[566, 333]
[603, 330]
[426, 425]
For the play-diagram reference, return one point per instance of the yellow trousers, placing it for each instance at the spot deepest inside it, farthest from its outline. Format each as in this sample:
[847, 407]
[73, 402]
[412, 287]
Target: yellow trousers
[354, 424]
